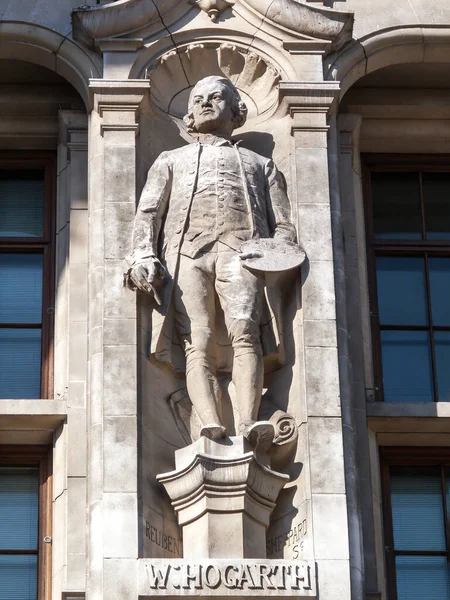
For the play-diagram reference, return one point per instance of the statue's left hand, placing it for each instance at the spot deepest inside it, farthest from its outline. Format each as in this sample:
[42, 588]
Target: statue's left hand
[247, 255]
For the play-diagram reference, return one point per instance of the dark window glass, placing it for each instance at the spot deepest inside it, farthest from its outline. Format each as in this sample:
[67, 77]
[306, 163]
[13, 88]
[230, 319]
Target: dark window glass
[440, 290]
[442, 350]
[396, 205]
[436, 196]
[19, 501]
[21, 296]
[22, 201]
[416, 504]
[407, 375]
[21, 309]
[26, 273]
[19, 489]
[422, 578]
[409, 258]
[20, 363]
[416, 498]
[402, 296]
[18, 577]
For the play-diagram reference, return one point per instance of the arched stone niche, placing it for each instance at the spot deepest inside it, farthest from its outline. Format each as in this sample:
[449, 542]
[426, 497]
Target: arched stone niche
[174, 73]
[267, 130]
[177, 71]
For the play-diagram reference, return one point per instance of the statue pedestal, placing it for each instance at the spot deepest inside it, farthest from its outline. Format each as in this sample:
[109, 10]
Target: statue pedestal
[223, 495]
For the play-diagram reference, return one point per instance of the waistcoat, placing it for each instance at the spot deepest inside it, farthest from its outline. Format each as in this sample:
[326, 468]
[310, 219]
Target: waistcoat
[219, 209]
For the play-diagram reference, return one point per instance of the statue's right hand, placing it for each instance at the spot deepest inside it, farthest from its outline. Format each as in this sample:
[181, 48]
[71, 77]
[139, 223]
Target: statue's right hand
[145, 276]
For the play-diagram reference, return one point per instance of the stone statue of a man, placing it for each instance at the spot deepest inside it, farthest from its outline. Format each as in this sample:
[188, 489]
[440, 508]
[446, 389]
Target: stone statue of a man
[201, 202]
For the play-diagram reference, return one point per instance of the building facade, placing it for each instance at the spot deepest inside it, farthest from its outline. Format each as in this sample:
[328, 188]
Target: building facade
[351, 100]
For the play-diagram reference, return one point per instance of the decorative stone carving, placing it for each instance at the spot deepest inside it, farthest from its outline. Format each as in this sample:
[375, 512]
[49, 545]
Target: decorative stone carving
[219, 488]
[213, 7]
[256, 80]
[214, 197]
[147, 18]
[286, 430]
[312, 21]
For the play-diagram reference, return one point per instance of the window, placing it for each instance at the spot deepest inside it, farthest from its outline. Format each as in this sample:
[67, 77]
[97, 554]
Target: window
[416, 497]
[26, 273]
[25, 521]
[408, 241]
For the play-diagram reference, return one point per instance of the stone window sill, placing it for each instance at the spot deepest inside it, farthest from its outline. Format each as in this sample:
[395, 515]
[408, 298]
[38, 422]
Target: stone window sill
[428, 409]
[30, 421]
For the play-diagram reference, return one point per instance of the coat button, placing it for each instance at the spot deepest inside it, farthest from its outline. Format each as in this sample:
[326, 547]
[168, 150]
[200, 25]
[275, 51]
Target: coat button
[178, 231]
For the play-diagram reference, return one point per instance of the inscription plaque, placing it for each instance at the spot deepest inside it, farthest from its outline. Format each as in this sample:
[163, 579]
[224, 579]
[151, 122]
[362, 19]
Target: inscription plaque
[227, 577]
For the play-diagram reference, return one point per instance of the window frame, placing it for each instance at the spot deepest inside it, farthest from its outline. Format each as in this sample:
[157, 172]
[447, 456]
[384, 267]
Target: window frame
[391, 247]
[41, 457]
[407, 457]
[45, 160]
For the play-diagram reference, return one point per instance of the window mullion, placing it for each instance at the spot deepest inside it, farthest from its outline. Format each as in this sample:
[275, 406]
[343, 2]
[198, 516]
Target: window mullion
[444, 505]
[18, 552]
[422, 206]
[430, 328]
[389, 533]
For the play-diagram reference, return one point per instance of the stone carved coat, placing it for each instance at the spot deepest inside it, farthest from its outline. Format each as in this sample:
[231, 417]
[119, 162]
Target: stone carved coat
[159, 226]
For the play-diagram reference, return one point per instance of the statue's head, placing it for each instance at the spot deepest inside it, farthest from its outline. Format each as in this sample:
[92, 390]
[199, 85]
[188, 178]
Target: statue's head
[215, 106]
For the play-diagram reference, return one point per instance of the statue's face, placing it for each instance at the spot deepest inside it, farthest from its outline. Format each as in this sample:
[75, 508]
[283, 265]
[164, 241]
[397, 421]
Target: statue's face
[211, 108]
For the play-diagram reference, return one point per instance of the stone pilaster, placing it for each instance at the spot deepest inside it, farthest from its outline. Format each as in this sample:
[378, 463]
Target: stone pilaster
[112, 423]
[359, 336]
[309, 104]
[71, 323]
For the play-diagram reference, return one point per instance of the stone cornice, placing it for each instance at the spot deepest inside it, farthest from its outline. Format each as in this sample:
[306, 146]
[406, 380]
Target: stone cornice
[309, 96]
[112, 19]
[317, 23]
[125, 17]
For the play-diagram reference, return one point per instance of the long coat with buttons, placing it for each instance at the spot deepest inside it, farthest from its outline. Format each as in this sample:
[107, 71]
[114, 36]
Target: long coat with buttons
[159, 227]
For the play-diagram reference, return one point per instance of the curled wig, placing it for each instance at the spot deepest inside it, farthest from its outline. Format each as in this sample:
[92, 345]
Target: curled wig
[238, 106]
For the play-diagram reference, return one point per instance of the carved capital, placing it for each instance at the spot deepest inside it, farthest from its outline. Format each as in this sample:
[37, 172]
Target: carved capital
[222, 478]
[349, 130]
[226, 483]
[309, 95]
[73, 131]
[309, 102]
[118, 102]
